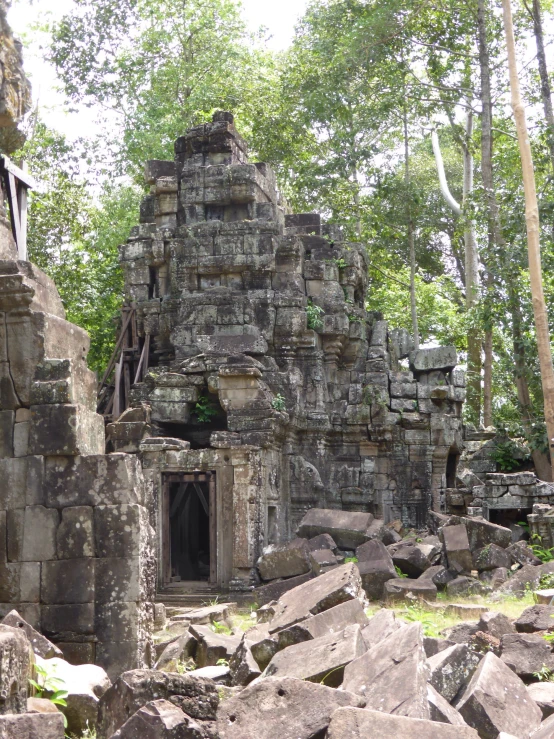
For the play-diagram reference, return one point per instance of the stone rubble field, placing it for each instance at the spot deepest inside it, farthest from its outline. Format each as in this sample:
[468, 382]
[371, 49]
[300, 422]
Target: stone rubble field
[461, 647]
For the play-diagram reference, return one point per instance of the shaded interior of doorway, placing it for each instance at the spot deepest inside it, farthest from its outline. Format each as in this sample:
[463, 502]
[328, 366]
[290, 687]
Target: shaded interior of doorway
[189, 528]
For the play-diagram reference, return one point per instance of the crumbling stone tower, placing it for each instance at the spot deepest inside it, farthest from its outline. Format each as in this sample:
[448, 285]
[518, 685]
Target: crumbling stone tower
[258, 315]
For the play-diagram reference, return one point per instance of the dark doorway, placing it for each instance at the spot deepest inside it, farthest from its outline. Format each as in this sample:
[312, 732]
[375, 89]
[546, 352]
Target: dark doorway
[451, 468]
[189, 529]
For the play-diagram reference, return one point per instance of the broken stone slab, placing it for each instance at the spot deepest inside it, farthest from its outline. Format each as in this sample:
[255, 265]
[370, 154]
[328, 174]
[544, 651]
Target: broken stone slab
[544, 597]
[39, 643]
[524, 579]
[315, 596]
[464, 610]
[535, 618]
[522, 554]
[451, 669]
[402, 588]
[376, 567]
[285, 560]
[85, 685]
[213, 646]
[440, 576]
[322, 541]
[461, 633]
[491, 557]
[495, 623]
[481, 532]
[207, 614]
[15, 669]
[348, 529]
[545, 730]
[322, 560]
[220, 674]
[319, 660]
[243, 666]
[392, 676]
[195, 696]
[433, 645]
[497, 700]
[543, 695]
[274, 590]
[356, 723]
[440, 709]
[381, 625]
[333, 621]
[526, 654]
[32, 726]
[463, 585]
[456, 547]
[160, 719]
[178, 650]
[494, 578]
[410, 558]
[274, 708]
[262, 645]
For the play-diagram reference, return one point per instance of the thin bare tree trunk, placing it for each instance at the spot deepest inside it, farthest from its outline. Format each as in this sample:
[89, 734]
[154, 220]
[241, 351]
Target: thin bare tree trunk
[487, 381]
[535, 13]
[533, 231]
[411, 239]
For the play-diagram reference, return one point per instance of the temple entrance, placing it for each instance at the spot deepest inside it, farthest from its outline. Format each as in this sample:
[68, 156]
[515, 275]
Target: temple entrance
[189, 534]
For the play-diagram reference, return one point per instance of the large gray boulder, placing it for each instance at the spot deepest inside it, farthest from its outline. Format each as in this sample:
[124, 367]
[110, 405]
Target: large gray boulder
[348, 529]
[262, 645]
[401, 588]
[451, 669]
[333, 621]
[535, 618]
[383, 623]
[39, 643]
[195, 696]
[177, 650]
[161, 720]
[355, 723]
[440, 709]
[278, 708]
[392, 676]
[410, 558]
[436, 358]
[481, 533]
[546, 729]
[319, 660]
[213, 646]
[543, 695]
[526, 654]
[527, 578]
[497, 700]
[375, 569]
[456, 547]
[274, 590]
[14, 670]
[491, 557]
[496, 624]
[32, 726]
[285, 560]
[315, 596]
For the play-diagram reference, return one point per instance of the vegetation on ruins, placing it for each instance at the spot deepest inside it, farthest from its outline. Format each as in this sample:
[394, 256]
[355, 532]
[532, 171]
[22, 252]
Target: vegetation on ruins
[389, 117]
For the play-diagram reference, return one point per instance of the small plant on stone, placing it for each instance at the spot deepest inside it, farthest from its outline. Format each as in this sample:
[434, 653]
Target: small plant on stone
[183, 666]
[205, 409]
[314, 316]
[539, 550]
[278, 403]
[340, 262]
[416, 613]
[222, 662]
[350, 559]
[221, 628]
[50, 687]
[504, 455]
[544, 675]
[547, 581]
[89, 733]
[399, 572]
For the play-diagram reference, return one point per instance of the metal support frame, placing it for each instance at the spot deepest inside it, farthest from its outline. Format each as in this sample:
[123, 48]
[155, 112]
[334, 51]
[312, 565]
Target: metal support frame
[16, 182]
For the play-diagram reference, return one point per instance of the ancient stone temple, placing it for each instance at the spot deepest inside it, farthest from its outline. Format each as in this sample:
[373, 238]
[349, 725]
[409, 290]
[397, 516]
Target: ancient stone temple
[265, 387]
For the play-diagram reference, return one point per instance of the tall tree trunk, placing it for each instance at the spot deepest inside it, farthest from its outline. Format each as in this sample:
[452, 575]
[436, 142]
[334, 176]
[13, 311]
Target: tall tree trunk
[411, 238]
[494, 234]
[546, 96]
[533, 226]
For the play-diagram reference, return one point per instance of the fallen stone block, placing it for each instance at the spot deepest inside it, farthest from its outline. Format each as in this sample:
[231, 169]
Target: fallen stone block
[494, 578]
[39, 643]
[348, 529]
[481, 533]
[401, 588]
[213, 646]
[383, 623]
[319, 660]
[409, 558]
[433, 645]
[527, 578]
[535, 618]
[322, 541]
[285, 560]
[545, 730]
[15, 669]
[439, 575]
[463, 585]
[497, 700]
[179, 650]
[32, 726]
[392, 676]
[544, 597]
[543, 695]
[376, 567]
[243, 666]
[456, 547]
[275, 708]
[206, 614]
[496, 624]
[465, 610]
[195, 696]
[460, 633]
[262, 645]
[322, 560]
[315, 596]
[526, 654]
[160, 720]
[356, 723]
[220, 674]
[451, 669]
[333, 621]
[491, 557]
[437, 358]
[522, 554]
[440, 709]
[274, 590]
